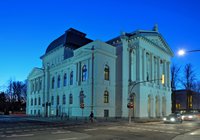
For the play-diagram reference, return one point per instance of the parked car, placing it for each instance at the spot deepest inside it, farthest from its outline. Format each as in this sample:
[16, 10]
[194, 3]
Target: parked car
[173, 118]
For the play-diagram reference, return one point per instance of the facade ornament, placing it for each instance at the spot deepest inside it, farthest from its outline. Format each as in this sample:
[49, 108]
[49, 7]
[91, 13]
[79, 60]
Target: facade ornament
[155, 27]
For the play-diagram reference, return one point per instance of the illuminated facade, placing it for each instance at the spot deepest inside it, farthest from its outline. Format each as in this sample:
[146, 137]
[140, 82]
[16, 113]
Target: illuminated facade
[80, 75]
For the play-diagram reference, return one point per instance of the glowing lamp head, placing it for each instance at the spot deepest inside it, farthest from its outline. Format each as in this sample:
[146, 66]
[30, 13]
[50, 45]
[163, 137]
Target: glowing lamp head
[181, 52]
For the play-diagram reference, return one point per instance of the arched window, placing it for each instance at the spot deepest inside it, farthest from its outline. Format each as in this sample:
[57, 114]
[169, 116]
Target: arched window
[106, 72]
[64, 99]
[58, 82]
[58, 100]
[71, 78]
[70, 98]
[53, 82]
[84, 73]
[106, 97]
[52, 100]
[65, 80]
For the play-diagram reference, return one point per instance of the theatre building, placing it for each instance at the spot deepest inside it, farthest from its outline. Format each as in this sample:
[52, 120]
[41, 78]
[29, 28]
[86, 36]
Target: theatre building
[80, 75]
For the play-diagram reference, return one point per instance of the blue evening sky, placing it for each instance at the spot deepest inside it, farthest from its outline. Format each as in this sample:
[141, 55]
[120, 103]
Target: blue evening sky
[27, 27]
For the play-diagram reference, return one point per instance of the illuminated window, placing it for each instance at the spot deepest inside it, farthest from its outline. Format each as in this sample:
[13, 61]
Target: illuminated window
[84, 73]
[178, 106]
[106, 72]
[106, 97]
[65, 80]
[71, 78]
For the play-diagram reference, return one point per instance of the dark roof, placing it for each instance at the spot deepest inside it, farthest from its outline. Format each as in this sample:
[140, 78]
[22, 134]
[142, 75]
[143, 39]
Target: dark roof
[72, 38]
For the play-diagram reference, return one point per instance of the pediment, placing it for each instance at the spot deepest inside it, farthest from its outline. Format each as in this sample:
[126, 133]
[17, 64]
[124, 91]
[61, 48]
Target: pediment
[35, 72]
[159, 41]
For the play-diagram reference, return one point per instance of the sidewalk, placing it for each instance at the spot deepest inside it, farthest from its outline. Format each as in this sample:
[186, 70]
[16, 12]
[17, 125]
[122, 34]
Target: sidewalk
[195, 135]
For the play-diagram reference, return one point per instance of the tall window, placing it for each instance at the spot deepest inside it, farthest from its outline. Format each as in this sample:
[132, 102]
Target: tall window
[64, 99]
[39, 101]
[58, 100]
[106, 72]
[31, 102]
[106, 97]
[52, 100]
[65, 80]
[71, 78]
[58, 82]
[84, 73]
[53, 82]
[40, 85]
[70, 98]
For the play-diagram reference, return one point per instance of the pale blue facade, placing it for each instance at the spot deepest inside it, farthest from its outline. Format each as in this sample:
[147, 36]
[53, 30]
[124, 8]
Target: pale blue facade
[74, 66]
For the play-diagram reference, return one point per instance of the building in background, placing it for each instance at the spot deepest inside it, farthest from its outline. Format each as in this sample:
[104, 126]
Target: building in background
[80, 75]
[185, 101]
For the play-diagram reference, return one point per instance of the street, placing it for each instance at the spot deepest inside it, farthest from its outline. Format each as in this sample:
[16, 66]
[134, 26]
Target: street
[25, 128]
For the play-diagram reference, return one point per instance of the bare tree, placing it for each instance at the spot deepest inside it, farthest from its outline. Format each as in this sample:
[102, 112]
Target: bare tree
[189, 77]
[175, 70]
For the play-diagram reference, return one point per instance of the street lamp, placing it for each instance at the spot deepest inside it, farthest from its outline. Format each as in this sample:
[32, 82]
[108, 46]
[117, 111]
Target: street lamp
[183, 52]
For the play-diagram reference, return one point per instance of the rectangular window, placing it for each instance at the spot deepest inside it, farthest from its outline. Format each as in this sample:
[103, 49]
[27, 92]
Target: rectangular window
[106, 113]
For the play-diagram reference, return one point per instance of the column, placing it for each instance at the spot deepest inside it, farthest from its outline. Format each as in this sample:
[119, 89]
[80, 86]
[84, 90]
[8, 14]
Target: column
[164, 72]
[168, 74]
[152, 66]
[144, 64]
[158, 72]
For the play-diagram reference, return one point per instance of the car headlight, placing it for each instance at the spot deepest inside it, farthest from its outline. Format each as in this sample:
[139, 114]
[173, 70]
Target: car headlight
[164, 119]
[172, 119]
[190, 116]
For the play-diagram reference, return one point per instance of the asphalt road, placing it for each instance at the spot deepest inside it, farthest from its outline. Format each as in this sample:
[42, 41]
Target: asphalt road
[22, 128]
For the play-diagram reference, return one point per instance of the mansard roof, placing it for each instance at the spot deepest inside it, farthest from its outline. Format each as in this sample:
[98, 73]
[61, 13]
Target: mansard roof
[72, 38]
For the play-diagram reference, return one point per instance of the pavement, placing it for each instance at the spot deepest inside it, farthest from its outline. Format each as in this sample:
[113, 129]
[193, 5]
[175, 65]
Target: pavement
[194, 135]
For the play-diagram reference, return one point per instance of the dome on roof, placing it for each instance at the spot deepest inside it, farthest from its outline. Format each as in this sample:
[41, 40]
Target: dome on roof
[72, 38]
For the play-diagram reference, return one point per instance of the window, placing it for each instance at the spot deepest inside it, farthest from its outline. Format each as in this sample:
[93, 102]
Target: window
[84, 73]
[35, 101]
[106, 72]
[39, 102]
[52, 100]
[53, 82]
[58, 100]
[31, 102]
[71, 78]
[58, 82]
[106, 97]
[64, 99]
[106, 113]
[40, 85]
[70, 98]
[65, 80]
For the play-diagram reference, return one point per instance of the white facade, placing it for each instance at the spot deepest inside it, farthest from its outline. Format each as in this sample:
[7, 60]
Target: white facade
[103, 73]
